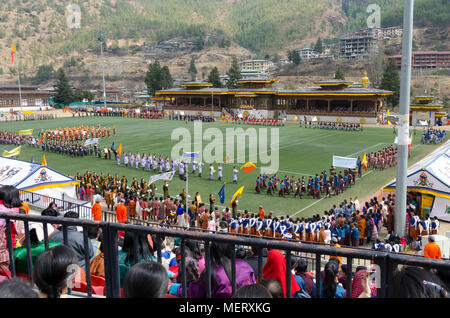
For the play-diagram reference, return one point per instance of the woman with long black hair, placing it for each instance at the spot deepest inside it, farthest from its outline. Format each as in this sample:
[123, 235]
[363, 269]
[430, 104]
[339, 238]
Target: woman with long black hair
[221, 286]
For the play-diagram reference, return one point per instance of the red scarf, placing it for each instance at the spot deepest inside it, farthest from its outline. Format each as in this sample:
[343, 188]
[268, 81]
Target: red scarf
[275, 268]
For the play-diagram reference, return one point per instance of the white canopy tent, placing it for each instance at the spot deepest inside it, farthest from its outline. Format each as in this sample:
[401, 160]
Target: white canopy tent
[431, 176]
[33, 177]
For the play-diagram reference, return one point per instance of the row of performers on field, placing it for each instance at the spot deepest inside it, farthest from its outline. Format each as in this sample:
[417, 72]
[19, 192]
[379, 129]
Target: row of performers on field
[77, 149]
[186, 118]
[333, 126]
[254, 121]
[143, 113]
[7, 138]
[314, 186]
[18, 117]
[384, 158]
[77, 133]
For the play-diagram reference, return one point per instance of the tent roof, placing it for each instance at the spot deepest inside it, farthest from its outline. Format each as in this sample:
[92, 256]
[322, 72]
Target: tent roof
[26, 175]
[437, 166]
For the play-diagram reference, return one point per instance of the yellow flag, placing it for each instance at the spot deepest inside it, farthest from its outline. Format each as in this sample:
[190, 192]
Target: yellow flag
[12, 153]
[44, 162]
[237, 194]
[26, 132]
[119, 150]
[364, 162]
[389, 123]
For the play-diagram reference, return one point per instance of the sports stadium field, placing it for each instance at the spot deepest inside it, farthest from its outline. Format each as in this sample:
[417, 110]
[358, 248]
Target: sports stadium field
[302, 152]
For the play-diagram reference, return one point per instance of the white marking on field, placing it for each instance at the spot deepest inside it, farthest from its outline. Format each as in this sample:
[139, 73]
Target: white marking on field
[362, 150]
[308, 206]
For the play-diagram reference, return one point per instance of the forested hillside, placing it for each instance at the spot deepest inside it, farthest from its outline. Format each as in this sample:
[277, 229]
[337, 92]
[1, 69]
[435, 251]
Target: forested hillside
[39, 27]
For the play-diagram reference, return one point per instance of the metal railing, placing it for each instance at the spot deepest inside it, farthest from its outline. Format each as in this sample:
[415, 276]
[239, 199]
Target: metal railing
[43, 201]
[386, 262]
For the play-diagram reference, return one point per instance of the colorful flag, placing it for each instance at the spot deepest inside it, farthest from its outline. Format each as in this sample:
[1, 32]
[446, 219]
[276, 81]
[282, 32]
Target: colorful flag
[119, 150]
[13, 52]
[222, 194]
[237, 194]
[12, 153]
[42, 139]
[44, 162]
[411, 140]
[190, 155]
[364, 162]
[26, 132]
[199, 199]
[248, 167]
[163, 176]
[389, 123]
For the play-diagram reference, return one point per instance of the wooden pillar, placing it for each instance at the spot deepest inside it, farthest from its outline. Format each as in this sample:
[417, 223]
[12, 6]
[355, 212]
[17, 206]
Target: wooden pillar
[204, 101]
[190, 101]
[351, 106]
[328, 105]
[307, 104]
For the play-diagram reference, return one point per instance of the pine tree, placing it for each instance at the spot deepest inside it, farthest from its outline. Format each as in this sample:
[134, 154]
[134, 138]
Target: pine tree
[318, 47]
[153, 78]
[391, 82]
[64, 92]
[167, 81]
[192, 69]
[234, 74]
[294, 57]
[339, 74]
[214, 78]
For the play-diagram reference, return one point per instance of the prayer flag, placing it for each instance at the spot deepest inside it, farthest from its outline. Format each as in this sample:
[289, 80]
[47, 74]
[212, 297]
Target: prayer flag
[222, 194]
[13, 52]
[364, 162]
[12, 153]
[26, 132]
[42, 139]
[237, 194]
[119, 150]
[44, 162]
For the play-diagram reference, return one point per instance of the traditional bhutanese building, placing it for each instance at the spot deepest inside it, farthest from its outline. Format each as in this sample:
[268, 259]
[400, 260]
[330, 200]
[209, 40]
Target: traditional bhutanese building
[424, 107]
[332, 100]
[32, 96]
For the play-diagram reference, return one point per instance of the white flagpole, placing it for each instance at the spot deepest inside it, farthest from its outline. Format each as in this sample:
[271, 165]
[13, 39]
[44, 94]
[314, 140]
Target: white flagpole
[20, 90]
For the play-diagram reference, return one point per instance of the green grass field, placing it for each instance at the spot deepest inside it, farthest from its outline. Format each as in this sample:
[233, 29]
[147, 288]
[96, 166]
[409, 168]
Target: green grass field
[302, 152]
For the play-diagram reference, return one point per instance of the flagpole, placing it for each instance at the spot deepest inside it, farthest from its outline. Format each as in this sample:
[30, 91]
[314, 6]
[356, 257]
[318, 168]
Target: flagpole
[187, 190]
[20, 90]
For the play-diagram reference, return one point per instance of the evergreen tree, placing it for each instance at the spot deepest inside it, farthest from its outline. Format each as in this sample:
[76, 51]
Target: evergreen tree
[167, 81]
[214, 78]
[318, 47]
[192, 69]
[294, 57]
[153, 78]
[234, 73]
[44, 74]
[391, 82]
[339, 74]
[64, 92]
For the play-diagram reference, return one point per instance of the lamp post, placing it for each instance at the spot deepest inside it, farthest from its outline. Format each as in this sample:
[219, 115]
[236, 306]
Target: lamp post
[403, 130]
[101, 38]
